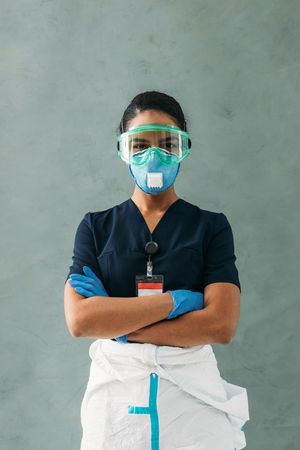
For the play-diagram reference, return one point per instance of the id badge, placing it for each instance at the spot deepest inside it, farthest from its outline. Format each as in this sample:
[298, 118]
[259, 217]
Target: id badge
[149, 285]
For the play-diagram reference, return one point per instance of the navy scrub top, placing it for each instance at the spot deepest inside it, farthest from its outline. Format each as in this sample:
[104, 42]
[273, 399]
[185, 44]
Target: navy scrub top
[196, 247]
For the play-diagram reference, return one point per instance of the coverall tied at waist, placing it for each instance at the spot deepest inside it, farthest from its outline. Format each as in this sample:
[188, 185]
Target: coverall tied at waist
[150, 397]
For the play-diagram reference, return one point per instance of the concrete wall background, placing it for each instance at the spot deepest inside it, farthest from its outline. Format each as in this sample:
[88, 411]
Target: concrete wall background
[68, 70]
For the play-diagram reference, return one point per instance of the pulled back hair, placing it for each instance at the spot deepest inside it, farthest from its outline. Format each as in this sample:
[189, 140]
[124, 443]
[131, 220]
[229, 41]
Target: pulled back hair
[152, 100]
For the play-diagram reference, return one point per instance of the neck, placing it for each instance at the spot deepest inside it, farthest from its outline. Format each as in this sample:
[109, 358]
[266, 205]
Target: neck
[154, 203]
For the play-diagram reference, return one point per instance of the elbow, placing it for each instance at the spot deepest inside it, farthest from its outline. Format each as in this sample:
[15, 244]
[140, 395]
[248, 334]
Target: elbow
[83, 326]
[74, 328]
[227, 340]
[226, 335]
[75, 331]
[73, 311]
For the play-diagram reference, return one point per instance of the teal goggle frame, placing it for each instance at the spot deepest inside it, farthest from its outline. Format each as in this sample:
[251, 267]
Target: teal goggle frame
[136, 145]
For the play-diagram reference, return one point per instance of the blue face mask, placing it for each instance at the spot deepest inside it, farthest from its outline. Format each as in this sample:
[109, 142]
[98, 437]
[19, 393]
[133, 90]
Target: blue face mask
[154, 177]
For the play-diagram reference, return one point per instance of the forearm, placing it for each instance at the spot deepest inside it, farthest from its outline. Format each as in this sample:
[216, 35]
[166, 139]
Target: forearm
[108, 317]
[194, 328]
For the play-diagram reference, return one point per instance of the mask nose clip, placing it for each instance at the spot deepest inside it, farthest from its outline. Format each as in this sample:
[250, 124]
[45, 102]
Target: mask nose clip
[152, 151]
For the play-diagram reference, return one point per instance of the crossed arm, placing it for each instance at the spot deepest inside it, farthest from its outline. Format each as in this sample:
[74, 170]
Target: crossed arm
[216, 323]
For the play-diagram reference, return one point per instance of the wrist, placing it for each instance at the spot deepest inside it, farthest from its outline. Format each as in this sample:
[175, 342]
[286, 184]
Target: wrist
[132, 337]
[169, 302]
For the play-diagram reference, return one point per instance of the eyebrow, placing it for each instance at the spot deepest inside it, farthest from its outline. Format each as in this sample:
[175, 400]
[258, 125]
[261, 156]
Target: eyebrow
[173, 138]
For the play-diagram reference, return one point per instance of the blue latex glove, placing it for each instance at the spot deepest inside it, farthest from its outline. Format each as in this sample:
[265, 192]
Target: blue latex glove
[122, 339]
[89, 286]
[185, 301]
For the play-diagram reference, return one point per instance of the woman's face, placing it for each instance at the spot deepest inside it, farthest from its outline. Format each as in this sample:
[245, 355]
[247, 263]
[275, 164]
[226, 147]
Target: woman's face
[151, 116]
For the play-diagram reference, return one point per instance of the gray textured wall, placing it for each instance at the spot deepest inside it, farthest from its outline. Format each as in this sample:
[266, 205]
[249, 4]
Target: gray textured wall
[68, 70]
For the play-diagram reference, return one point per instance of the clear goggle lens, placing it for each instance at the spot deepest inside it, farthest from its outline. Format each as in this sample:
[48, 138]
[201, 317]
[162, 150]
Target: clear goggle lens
[170, 142]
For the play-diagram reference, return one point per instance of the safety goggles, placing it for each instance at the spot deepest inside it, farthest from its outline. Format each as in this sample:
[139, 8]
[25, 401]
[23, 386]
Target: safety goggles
[170, 143]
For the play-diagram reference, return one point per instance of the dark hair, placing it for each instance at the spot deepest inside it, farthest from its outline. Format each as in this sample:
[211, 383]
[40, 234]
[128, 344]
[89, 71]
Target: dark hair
[152, 100]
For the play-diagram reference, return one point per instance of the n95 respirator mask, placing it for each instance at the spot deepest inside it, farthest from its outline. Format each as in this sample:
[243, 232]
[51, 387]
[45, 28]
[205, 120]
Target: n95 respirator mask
[153, 153]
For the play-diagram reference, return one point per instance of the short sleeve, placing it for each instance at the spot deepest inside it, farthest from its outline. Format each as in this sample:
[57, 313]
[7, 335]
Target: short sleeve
[219, 261]
[84, 250]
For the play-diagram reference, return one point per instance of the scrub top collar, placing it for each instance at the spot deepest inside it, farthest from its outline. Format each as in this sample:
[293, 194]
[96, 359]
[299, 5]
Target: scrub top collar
[162, 219]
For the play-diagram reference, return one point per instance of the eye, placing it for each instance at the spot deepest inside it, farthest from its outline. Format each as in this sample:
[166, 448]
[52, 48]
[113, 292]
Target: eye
[139, 147]
[169, 145]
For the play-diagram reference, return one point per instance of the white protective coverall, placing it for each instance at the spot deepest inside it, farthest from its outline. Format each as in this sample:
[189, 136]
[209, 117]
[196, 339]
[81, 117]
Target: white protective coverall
[150, 397]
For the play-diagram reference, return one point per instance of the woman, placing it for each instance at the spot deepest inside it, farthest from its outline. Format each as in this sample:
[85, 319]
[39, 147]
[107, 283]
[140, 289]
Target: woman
[154, 280]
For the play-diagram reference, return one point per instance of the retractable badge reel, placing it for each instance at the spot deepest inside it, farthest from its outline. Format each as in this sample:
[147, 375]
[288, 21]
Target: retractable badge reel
[149, 284]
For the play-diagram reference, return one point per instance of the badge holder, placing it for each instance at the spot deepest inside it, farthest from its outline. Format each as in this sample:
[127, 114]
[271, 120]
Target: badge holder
[149, 284]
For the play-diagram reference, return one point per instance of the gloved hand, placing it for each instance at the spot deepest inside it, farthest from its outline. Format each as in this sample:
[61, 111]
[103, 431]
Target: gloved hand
[89, 286]
[185, 301]
[122, 339]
